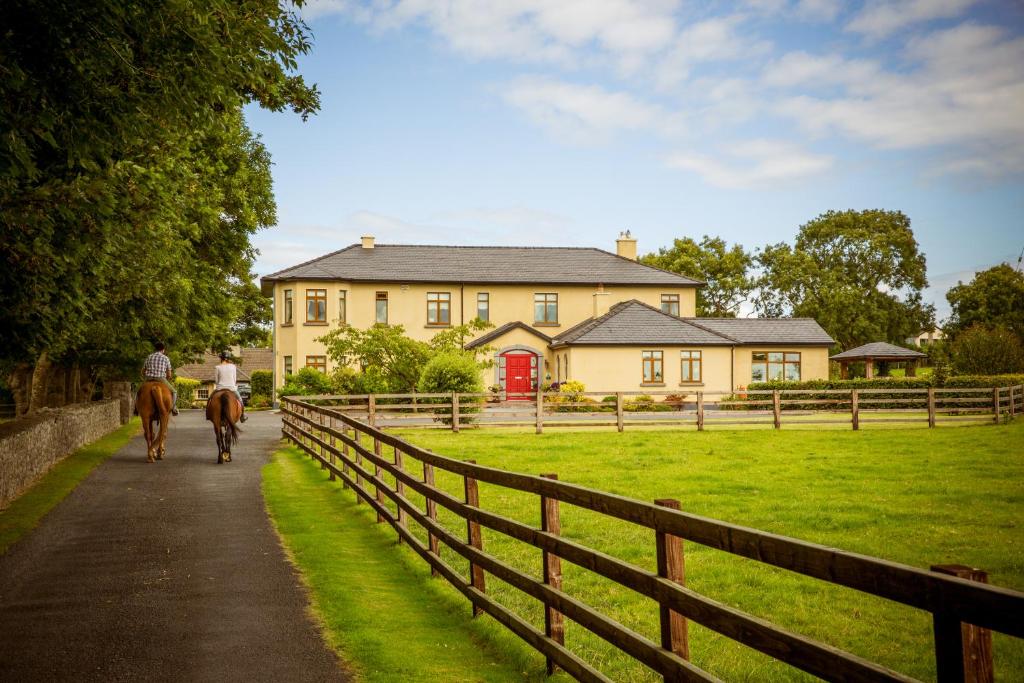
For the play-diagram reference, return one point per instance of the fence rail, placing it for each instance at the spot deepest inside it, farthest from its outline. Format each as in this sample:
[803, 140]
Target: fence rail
[699, 409]
[352, 450]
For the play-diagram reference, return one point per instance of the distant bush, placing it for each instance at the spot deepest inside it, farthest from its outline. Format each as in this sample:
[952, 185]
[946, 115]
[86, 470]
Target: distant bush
[305, 382]
[984, 350]
[644, 403]
[259, 401]
[186, 391]
[452, 372]
[262, 382]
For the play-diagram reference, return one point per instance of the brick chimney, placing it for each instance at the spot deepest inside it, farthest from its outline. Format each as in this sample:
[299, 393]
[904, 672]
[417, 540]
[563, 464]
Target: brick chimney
[368, 242]
[625, 246]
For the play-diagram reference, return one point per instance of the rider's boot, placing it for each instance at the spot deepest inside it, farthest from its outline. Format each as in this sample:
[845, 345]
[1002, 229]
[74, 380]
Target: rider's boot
[243, 418]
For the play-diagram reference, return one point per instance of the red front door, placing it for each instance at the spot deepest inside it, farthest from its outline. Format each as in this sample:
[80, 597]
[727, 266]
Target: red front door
[517, 375]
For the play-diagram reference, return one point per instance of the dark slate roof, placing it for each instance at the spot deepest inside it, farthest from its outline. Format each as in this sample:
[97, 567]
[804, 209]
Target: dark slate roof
[634, 322]
[801, 331]
[878, 350]
[423, 263]
[497, 332]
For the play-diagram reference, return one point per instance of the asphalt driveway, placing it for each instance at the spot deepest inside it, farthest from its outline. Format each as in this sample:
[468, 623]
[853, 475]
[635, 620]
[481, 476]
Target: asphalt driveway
[165, 571]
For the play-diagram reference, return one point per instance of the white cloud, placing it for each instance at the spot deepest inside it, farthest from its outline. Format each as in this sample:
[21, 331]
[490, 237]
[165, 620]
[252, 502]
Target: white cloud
[882, 18]
[712, 40]
[963, 94]
[753, 164]
[534, 31]
[586, 114]
[818, 10]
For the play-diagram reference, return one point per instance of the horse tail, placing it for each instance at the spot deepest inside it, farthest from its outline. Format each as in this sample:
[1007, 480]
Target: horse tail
[225, 415]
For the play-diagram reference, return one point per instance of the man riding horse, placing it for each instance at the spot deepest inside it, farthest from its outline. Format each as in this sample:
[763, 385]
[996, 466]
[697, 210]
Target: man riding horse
[157, 368]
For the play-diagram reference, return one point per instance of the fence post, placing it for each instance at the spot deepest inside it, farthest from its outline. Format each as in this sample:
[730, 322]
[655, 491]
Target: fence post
[619, 422]
[931, 406]
[320, 421]
[963, 652]
[344, 452]
[776, 409]
[1012, 399]
[428, 479]
[378, 494]
[359, 466]
[671, 566]
[554, 621]
[700, 411]
[476, 574]
[334, 447]
[540, 409]
[400, 488]
[455, 412]
[996, 395]
[854, 409]
[371, 410]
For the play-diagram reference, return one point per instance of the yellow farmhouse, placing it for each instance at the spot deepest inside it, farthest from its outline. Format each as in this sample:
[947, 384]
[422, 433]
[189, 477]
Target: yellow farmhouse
[559, 313]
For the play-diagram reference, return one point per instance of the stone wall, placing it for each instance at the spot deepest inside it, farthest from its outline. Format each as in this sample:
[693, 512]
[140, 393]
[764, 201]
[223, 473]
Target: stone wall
[29, 447]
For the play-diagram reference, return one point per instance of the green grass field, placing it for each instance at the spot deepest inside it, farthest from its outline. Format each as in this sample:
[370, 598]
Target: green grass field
[26, 510]
[915, 496]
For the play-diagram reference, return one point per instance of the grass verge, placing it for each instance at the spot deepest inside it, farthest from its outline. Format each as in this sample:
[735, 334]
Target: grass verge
[24, 513]
[378, 606]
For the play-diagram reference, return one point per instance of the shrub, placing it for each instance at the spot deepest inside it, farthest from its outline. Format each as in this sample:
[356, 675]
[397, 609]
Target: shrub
[449, 372]
[259, 401]
[644, 403]
[306, 382]
[186, 391]
[676, 401]
[262, 382]
[980, 350]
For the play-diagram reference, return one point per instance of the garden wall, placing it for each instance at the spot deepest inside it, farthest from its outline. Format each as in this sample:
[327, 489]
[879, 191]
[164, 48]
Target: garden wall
[29, 447]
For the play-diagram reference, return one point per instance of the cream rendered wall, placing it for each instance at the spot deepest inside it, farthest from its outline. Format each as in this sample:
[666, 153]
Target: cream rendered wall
[813, 361]
[620, 368]
[407, 306]
[516, 338]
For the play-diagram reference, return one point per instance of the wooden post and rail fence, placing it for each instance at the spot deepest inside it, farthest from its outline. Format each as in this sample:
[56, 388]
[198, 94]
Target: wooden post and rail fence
[964, 609]
[699, 409]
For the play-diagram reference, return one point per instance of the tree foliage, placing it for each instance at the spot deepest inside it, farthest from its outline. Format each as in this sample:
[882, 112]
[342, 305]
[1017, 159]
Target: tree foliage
[995, 297]
[724, 269]
[129, 182]
[858, 273]
[392, 362]
[981, 350]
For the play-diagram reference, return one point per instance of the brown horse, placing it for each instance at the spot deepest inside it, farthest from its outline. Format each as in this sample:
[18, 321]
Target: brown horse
[154, 405]
[224, 410]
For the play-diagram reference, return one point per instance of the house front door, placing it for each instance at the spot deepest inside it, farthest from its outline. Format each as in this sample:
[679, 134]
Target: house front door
[517, 376]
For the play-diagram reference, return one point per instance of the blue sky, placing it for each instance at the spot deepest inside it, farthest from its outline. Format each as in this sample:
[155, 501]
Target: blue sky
[562, 123]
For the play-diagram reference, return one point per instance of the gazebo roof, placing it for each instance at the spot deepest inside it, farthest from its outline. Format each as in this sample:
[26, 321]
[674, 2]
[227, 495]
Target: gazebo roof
[879, 351]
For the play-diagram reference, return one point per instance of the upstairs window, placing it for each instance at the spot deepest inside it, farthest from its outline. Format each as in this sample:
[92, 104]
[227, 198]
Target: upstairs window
[287, 307]
[483, 306]
[439, 305]
[342, 307]
[690, 362]
[316, 305]
[382, 308]
[652, 367]
[670, 304]
[545, 309]
[768, 366]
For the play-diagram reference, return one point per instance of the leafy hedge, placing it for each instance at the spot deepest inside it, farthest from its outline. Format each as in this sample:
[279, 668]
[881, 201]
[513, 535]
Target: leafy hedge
[452, 372]
[262, 382]
[840, 402]
[186, 391]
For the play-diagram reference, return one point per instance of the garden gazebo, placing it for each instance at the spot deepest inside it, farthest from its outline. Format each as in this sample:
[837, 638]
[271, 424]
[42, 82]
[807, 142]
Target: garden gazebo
[878, 351]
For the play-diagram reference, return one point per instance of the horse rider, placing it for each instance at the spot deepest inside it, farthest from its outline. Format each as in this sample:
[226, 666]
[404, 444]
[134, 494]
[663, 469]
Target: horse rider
[157, 368]
[225, 376]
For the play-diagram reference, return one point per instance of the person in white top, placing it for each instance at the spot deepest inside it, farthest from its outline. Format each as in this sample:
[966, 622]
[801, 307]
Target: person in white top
[225, 376]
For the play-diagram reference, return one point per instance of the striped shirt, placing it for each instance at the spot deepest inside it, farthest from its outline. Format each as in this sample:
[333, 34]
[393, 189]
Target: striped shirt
[157, 366]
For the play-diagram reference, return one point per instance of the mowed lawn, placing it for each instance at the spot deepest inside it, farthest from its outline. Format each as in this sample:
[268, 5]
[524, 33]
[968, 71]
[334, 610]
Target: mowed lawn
[915, 496]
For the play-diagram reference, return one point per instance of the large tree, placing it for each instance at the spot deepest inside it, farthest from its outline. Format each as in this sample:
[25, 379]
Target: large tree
[995, 297]
[724, 269]
[129, 183]
[858, 273]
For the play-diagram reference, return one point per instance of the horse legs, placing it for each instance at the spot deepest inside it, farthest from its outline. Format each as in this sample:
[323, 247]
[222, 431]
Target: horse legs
[220, 447]
[226, 438]
[165, 418]
[147, 429]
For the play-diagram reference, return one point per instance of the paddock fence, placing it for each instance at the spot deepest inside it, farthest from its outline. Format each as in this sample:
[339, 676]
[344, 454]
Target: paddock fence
[698, 409]
[400, 486]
